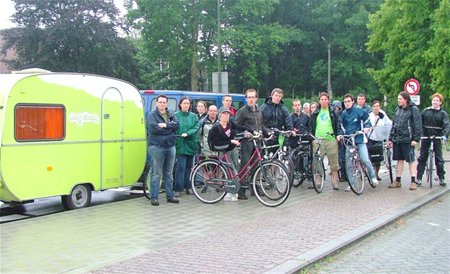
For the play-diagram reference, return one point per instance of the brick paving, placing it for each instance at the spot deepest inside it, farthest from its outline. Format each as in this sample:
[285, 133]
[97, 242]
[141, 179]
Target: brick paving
[228, 237]
[417, 243]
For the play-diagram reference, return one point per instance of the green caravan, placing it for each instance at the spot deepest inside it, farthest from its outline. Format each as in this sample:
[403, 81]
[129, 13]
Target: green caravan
[68, 134]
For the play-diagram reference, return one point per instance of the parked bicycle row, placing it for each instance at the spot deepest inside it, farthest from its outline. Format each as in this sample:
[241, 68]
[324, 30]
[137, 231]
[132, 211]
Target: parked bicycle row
[267, 150]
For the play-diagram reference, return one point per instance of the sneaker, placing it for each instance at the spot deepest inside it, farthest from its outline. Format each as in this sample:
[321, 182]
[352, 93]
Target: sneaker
[441, 182]
[395, 185]
[177, 194]
[189, 191]
[419, 182]
[347, 189]
[173, 200]
[310, 187]
[335, 187]
[154, 202]
[413, 186]
[374, 181]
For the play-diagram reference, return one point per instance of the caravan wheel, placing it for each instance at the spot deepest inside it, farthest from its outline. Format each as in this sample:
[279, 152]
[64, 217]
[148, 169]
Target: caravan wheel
[79, 197]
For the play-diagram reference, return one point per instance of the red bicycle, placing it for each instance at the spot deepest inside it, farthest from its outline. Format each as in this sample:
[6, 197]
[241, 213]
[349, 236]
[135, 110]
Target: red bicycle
[212, 179]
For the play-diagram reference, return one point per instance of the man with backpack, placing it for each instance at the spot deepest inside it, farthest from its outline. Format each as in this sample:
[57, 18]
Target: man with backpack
[404, 136]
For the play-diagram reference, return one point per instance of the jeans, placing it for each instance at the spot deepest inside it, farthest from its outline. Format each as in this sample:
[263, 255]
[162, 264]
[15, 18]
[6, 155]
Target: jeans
[162, 163]
[364, 157]
[184, 167]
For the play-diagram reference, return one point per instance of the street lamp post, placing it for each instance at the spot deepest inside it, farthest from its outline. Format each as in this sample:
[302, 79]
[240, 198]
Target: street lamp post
[329, 90]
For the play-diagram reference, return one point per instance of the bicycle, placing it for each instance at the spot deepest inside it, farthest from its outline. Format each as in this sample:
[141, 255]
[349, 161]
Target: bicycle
[429, 167]
[282, 152]
[301, 156]
[356, 170]
[318, 167]
[212, 179]
[388, 160]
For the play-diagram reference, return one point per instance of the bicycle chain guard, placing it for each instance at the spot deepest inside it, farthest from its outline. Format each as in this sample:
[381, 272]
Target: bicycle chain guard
[232, 186]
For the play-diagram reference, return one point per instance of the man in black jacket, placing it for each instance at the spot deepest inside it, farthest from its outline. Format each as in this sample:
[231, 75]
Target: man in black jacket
[274, 113]
[248, 116]
[162, 126]
[404, 136]
[435, 123]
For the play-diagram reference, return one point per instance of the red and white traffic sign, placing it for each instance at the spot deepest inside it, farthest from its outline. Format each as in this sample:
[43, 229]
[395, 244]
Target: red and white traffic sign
[412, 86]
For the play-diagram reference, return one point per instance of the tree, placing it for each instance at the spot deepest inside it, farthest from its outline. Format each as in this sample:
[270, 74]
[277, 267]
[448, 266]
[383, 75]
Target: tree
[300, 68]
[414, 40]
[71, 35]
[175, 37]
[181, 40]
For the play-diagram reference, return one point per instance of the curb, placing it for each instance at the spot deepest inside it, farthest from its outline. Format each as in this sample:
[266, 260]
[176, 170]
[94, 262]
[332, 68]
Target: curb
[321, 251]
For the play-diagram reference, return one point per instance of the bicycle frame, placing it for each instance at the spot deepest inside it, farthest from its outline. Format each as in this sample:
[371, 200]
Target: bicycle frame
[212, 178]
[357, 170]
[431, 152]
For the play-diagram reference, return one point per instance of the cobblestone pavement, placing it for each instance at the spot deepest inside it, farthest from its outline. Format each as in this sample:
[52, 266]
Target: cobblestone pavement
[228, 237]
[417, 243]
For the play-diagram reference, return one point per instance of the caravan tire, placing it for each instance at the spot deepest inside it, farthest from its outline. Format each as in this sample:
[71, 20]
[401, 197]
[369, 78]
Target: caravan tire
[78, 198]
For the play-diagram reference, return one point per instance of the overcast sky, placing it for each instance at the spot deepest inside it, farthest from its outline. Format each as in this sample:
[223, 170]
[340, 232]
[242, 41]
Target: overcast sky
[7, 10]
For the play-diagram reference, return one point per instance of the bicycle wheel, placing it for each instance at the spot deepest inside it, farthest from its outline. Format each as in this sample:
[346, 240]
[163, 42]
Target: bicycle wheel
[389, 164]
[297, 179]
[207, 181]
[366, 175]
[146, 181]
[355, 174]
[318, 173]
[290, 167]
[271, 183]
[430, 169]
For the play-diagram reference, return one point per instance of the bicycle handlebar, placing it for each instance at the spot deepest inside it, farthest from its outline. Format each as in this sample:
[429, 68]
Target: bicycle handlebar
[286, 133]
[433, 138]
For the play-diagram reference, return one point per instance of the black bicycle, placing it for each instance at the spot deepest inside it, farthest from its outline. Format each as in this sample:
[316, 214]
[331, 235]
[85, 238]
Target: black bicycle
[301, 156]
[430, 165]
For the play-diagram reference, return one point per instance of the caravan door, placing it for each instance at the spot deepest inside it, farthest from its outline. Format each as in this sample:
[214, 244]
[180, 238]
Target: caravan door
[112, 139]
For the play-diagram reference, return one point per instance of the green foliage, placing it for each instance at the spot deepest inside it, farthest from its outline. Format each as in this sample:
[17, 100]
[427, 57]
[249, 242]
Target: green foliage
[70, 35]
[414, 38]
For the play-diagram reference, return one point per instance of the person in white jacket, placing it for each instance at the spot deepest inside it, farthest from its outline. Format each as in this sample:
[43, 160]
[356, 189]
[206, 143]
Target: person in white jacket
[381, 126]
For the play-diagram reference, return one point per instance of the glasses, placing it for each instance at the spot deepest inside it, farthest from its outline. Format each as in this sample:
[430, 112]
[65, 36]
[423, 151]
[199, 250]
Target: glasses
[347, 101]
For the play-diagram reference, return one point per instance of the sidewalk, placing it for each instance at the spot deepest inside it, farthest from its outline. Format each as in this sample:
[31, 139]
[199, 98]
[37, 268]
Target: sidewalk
[228, 237]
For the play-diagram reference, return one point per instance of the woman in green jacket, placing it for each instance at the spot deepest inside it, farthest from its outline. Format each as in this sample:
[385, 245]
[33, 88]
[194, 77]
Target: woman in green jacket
[186, 146]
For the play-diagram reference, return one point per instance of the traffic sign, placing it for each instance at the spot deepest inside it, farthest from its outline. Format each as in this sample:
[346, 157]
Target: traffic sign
[415, 99]
[412, 86]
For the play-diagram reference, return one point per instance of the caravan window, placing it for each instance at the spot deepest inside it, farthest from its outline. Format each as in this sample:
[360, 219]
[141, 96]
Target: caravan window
[39, 122]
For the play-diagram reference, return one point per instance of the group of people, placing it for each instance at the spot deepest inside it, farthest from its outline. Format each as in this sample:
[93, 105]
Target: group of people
[184, 134]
